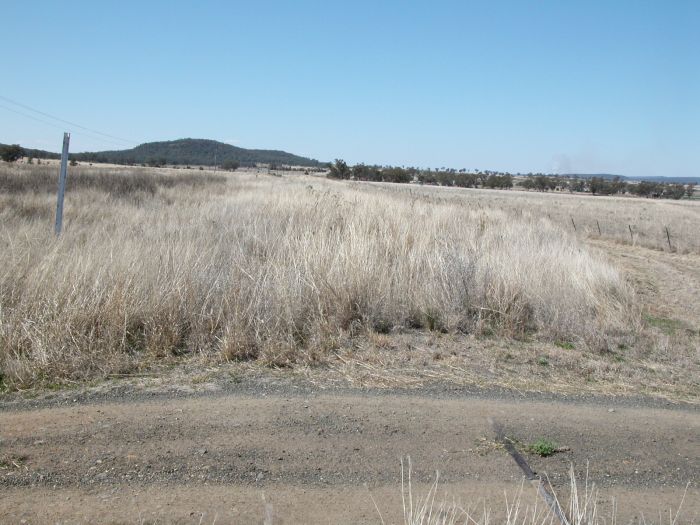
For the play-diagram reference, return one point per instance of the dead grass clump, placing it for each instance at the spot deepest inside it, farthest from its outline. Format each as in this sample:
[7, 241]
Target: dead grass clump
[17, 180]
[268, 269]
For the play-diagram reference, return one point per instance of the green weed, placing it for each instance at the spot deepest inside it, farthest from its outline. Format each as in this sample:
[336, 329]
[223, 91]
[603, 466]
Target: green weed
[543, 447]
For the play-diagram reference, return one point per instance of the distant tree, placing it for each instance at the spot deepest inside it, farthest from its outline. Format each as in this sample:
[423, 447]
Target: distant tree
[491, 182]
[399, 175]
[73, 162]
[528, 183]
[674, 191]
[339, 170]
[577, 185]
[363, 172]
[618, 185]
[690, 190]
[230, 165]
[646, 189]
[11, 153]
[599, 186]
[542, 183]
[30, 160]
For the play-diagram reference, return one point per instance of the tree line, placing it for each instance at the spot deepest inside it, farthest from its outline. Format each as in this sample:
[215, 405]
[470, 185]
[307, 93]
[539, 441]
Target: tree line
[443, 177]
[499, 180]
[602, 186]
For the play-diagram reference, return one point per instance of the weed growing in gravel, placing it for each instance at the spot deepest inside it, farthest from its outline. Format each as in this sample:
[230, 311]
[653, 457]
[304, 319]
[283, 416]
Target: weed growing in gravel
[543, 447]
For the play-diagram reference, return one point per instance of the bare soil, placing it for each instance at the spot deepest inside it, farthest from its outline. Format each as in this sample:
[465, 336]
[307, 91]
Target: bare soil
[317, 457]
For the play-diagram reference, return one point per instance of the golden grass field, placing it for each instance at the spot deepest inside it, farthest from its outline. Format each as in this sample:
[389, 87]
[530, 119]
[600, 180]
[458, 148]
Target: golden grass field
[293, 270]
[648, 219]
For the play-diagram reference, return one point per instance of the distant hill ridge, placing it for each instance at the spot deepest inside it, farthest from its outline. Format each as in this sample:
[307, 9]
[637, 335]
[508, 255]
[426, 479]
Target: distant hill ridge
[657, 178]
[204, 152]
[197, 151]
[187, 151]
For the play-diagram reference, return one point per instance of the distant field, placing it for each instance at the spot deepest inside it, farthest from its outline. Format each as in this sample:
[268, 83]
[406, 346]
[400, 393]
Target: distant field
[294, 270]
[648, 218]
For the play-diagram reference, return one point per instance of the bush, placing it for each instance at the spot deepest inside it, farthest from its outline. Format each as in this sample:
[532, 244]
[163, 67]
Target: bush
[230, 165]
[543, 447]
[11, 153]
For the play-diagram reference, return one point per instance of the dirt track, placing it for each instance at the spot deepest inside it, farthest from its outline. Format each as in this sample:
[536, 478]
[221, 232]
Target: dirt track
[316, 458]
[669, 283]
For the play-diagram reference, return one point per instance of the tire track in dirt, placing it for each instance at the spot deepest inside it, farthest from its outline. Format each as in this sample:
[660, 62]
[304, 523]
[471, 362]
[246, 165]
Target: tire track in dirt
[668, 283]
[87, 460]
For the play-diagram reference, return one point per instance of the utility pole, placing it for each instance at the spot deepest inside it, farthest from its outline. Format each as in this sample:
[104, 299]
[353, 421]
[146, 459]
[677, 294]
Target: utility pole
[62, 184]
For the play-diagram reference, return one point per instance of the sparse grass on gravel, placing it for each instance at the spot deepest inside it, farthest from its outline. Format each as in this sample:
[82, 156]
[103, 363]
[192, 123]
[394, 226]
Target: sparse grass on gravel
[280, 270]
[584, 507]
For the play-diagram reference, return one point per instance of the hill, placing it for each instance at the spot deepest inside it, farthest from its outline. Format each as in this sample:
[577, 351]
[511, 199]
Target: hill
[195, 151]
[186, 151]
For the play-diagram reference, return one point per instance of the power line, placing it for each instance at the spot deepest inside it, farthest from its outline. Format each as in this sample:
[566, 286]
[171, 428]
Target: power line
[53, 124]
[30, 116]
[130, 142]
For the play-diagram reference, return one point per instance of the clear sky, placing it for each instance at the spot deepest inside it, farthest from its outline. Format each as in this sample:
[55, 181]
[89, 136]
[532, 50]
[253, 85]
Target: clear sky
[588, 86]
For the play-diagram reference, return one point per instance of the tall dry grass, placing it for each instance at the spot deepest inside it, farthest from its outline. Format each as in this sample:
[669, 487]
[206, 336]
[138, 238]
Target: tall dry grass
[276, 269]
[615, 215]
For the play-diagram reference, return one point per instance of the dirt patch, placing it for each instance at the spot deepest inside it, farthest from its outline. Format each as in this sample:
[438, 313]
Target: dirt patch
[88, 461]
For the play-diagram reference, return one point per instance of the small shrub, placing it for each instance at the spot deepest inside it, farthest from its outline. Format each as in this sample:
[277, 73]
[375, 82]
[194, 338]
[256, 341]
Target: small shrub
[543, 447]
[230, 165]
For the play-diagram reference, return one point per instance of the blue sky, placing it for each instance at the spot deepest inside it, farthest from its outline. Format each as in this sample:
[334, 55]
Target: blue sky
[518, 86]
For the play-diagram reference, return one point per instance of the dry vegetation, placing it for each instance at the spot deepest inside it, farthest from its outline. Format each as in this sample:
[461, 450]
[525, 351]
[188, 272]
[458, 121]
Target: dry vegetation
[282, 270]
[647, 218]
[584, 507]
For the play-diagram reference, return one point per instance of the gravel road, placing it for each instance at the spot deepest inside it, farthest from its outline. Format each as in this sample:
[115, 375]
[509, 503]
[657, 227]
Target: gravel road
[235, 453]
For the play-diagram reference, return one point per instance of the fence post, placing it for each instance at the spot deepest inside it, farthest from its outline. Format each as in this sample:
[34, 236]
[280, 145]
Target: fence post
[668, 238]
[62, 184]
[599, 234]
[631, 236]
[573, 223]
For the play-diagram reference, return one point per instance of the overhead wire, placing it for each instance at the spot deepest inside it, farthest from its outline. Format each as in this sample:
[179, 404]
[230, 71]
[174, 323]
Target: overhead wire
[92, 133]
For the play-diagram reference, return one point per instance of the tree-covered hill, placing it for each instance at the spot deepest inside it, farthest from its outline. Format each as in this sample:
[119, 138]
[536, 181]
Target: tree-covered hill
[195, 151]
[186, 151]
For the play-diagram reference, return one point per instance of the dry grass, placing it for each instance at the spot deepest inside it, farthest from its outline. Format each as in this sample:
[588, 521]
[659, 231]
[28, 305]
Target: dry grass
[648, 218]
[276, 270]
[583, 507]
